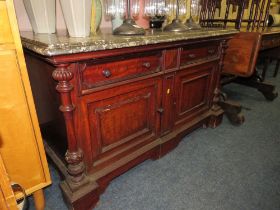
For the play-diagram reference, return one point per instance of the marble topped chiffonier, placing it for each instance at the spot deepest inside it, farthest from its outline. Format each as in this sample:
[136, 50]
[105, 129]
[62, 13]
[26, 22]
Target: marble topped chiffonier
[108, 102]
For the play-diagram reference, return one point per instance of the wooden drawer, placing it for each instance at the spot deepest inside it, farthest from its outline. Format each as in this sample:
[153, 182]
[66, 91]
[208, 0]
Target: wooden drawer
[197, 53]
[107, 71]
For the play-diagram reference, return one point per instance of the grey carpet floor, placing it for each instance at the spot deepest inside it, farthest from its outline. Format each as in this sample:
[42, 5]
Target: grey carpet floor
[227, 168]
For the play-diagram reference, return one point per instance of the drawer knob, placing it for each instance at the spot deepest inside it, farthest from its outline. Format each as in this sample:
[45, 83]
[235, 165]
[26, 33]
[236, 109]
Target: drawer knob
[160, 110]
[106, 73]
[211, 51]
[192, 55]
[146, 64]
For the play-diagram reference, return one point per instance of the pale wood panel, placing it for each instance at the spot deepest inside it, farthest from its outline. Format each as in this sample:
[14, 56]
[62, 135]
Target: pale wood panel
[7, 197]
[6, 33]
[21, 143]
[17, 134]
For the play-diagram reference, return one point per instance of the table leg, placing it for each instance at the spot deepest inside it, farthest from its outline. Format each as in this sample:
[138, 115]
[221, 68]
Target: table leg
[255, 81]
[266, 64]
[39, 199]
[277, 68]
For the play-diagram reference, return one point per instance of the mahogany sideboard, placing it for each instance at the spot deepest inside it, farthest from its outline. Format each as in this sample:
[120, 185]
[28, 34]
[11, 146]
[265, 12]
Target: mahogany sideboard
[121, 100]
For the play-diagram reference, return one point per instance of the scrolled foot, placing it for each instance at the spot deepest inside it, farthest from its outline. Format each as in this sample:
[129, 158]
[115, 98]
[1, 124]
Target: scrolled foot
[269, 95]
[236, 119]
[233, 112]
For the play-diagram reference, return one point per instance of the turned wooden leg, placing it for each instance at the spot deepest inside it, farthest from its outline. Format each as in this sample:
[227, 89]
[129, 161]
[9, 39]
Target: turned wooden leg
[79, 192]
[217, 112]
[268, 90]
[217, 116]
[39, 199]
[266, 63]
[277, 68]
[74, 155]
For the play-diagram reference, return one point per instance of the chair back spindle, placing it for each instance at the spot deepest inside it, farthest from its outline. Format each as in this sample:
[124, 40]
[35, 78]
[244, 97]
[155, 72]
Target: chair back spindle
[258, 12]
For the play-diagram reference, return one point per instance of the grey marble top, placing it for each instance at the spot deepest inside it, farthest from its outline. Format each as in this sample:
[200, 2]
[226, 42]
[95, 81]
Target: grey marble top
[60, 43]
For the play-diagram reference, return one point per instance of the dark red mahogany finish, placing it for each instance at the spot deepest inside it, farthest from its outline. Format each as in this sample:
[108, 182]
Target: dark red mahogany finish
[120, 107]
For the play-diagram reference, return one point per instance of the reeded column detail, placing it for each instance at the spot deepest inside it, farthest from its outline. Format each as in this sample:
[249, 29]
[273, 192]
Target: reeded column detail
[73, 156]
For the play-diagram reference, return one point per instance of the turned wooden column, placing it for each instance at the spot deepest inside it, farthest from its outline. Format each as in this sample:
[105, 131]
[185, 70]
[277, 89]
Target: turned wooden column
[217, 89]
[74, 155]
[217, 117]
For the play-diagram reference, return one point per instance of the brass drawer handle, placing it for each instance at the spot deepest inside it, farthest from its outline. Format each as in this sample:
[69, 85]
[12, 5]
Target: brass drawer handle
[106, 73]
[211, 51]
[192, 55]
[146, 64]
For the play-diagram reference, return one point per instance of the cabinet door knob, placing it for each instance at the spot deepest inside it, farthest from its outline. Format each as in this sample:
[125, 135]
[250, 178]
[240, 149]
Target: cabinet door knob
[211, 51]
[192, 55]
[146, 64]
[106, 73]
[160, 110]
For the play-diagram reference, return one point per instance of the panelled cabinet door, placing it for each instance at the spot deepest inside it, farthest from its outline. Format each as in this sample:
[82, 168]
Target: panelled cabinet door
[193, 88]
[123, 119]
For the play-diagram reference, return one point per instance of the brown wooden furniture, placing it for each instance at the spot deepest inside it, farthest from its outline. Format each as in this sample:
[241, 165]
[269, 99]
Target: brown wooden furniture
[270, 49]
[243, 64]
[240, 65]
[242, 53]
[21, 144]
[257, 18]
[123, 106]
[268, 56]
[7, 196]
[243, 50]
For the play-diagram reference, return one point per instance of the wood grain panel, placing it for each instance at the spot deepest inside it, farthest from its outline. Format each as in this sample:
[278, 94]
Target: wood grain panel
[193, 93]
[124, 117]
[197, 53]
[94, 74]
[168, 104]
[193, 90]
[118, 121]
[241, 54]
[6, 35]
[171, 59]
[21, 145]
[17, 107]
[270, 41]
[7, 196]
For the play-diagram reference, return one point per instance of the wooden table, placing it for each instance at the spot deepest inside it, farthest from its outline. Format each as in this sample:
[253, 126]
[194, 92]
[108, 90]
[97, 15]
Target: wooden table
[240, 65]
[242, 54]
[121, 100]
